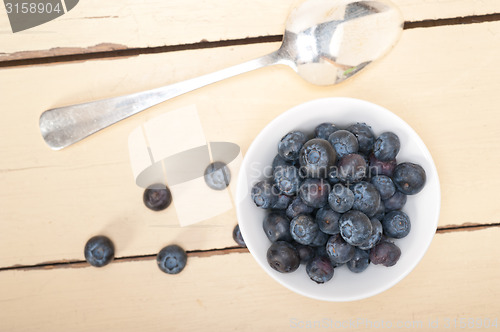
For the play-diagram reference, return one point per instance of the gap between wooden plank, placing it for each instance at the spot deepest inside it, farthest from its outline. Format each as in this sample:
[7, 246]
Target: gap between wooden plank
[91, 55]
[207, 252]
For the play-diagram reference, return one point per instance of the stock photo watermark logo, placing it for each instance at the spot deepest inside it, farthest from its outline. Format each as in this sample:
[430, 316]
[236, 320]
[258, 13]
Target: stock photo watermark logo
[171, 149]
[26, 14]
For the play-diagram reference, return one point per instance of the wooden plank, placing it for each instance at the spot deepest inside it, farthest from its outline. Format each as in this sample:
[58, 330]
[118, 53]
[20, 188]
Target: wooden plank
[94, 26]
[231, 292]
[52, 202]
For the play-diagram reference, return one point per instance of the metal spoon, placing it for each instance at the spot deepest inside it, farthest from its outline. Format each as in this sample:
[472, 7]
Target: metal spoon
[325, 42]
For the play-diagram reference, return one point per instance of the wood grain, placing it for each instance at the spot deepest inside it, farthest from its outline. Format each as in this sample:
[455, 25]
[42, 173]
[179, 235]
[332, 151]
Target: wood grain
[443, 81]
[95, 26]
[231, 292]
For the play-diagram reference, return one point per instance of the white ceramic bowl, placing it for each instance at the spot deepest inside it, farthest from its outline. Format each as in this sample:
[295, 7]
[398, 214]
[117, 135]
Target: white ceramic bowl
[423, 208]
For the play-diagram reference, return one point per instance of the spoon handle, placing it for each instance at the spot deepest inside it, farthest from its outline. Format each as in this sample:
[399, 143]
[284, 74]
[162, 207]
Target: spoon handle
[63, 126]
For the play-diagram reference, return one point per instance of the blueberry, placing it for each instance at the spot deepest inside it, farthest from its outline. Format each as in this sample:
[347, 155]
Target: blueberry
[365, 136]
[304, 229]
[306, 253]
[296, 207]
[395, 202]
[351, 168]
[344, 142]
[320, 239]
[157, 197]
[217, 175]
[321, 251]
[171, 259]
[324, 130]
[287, 179]
[282, 202]
[380, 211]
[409, 178]
[384, 185]
[359, 261]
[366, 198]
[99, 251]
[355, 227]
[385, 253]
[396, 224]
[277, 227]
[333, 176]
[279, 161]
[338, 250]
[320, 269]
[290, 145]
[264, 195]
[375, 236]
[379, 167]
[283, 257]
[237, 237]
[314, 192]
[328, 220]
[386, 146]
[316, 158]
[341, 198]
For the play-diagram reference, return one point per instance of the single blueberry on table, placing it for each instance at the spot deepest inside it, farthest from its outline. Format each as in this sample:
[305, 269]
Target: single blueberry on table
[99, 251]
[304, 229]
[316, 158]
[264, 194]
[395, 202]
[217, 175]
[296, 207]
[324, 130]
[396, 224]
[237, 237]
[306, 253]
[366, 198]
[355, 227]
[375, 236]
[283, 257]
[157, 197]
[384, 185]
[365, 136]
[386, 146]
[338, 250]
[314, 192]
[277, 227]
[290, 145]
[320, 269]
[287, 179]
[172, 259]
[379, 167]
[351, 168]
[340, 198]
[359, 261]
[385, 253]
[409, 178]
[344, 142]
[328, 220]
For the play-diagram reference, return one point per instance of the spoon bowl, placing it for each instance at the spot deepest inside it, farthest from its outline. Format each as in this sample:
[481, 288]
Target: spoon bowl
[325, 42]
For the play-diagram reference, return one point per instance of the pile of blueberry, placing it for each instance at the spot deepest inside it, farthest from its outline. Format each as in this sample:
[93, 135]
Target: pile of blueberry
[336, 199]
